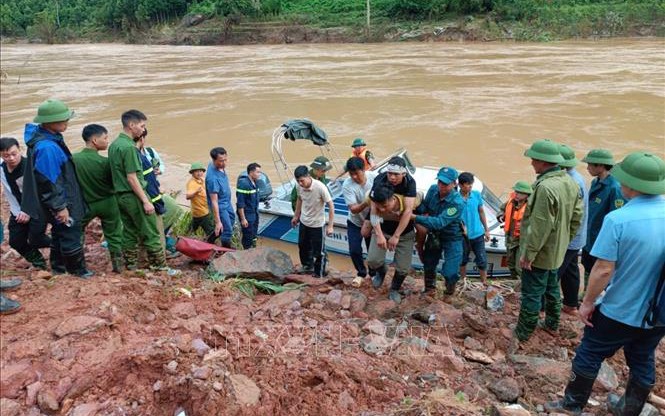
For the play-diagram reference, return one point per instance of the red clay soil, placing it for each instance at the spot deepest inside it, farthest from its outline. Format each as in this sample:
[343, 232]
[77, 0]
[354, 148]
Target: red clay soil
[138, 344]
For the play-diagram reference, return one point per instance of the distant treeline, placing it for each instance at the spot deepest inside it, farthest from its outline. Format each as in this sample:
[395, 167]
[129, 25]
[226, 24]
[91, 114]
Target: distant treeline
[52, 20]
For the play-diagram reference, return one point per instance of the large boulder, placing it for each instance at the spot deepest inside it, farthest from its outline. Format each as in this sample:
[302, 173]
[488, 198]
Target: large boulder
[263, 263]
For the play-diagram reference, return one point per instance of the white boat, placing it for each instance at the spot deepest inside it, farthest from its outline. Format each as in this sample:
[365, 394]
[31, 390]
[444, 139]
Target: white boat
[275, 214]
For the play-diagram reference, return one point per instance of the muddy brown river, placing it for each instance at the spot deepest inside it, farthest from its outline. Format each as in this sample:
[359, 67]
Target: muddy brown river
[473, 106]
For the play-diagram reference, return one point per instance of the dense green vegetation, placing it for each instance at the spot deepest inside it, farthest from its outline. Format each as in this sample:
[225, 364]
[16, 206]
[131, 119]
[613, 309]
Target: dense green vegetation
[60, 20]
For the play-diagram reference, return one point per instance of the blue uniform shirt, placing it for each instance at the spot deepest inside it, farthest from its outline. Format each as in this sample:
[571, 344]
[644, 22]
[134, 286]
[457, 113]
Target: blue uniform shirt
[580, 238]
[444, 214]
[604, 197]
[471, 216]
[247, 197]
[218, 183]
[634, 238]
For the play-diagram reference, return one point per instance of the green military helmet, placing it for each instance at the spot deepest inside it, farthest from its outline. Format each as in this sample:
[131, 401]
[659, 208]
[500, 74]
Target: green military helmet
[643, 172]
[358, 141]
[545, 150]
[321, 163]
[53, 111]
[523, 187]
[570, 161]
[197, 166]
[599, 157]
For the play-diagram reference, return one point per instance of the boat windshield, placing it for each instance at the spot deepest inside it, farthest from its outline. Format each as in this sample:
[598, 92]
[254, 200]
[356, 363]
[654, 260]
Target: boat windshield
[490, 199]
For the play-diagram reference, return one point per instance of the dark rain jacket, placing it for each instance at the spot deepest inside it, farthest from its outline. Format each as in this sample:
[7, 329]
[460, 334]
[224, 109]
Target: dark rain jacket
[247, 197]
[50, 183]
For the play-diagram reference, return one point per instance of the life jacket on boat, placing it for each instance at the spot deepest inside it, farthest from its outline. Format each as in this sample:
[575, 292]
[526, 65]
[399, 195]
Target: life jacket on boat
[363, 156]
[514, 215]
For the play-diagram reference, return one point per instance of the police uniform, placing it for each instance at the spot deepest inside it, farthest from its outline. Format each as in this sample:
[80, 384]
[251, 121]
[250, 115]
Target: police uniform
[247, 198]
[442, 218]
[94, 174]
[138, 227]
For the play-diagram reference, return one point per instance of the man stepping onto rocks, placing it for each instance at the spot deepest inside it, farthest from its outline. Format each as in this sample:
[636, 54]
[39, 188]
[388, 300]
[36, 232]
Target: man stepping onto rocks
[94, 173]
[439, 217]
[309, 216]
[398, 234]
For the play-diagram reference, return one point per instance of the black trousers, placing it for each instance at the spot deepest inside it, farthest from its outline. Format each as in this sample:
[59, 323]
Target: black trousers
[569, 276]
[310, 248]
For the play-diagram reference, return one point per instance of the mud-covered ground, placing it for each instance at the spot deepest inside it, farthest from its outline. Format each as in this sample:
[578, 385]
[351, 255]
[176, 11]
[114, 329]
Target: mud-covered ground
[138, 344]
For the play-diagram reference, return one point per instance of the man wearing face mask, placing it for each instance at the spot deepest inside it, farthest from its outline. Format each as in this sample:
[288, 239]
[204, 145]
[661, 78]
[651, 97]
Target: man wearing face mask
[51, 191]
[136, 210]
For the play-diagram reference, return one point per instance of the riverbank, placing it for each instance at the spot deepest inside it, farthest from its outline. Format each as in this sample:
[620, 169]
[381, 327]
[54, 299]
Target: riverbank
[590, 23]
[147, 343]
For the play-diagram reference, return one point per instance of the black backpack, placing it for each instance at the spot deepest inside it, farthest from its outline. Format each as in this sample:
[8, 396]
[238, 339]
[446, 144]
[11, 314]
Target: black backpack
[655, 315]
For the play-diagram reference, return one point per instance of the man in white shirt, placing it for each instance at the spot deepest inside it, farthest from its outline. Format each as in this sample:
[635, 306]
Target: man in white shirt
[355, 190]
[310, 216]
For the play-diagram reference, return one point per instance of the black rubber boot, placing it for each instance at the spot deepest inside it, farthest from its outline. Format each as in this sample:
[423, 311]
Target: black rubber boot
[395, 285]
[632, 402]
[430, 282]
[8, 306]
[575, 396]
[56, 261]
[377, 280]
[450, 288]
[75, 265]
[117, 262]
[36, 259]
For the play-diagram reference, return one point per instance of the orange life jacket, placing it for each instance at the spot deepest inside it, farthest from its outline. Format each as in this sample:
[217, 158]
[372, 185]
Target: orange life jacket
[515, 215]
[363, 156]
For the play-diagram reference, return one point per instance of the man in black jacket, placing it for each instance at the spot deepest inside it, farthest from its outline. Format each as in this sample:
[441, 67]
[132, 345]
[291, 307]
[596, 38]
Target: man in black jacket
[51, 190]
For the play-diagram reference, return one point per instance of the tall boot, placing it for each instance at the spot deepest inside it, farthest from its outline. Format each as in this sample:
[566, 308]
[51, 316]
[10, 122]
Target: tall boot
[377, 280]
[36, 258]
[632, 402]
[395, 285]
[575, 396]
[75, 265]
[116, 262]
[56, 261]
[430, 281]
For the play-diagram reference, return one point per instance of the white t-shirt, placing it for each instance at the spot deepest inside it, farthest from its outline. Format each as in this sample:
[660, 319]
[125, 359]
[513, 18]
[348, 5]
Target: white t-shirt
[356, 194]
[314, 199]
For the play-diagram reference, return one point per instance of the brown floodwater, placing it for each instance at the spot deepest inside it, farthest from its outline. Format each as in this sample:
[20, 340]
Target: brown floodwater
[475, 106]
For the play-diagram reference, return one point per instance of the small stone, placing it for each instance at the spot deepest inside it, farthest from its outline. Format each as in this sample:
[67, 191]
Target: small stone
[375, 326]
[217, 386]
[346, 401]
[346, 302]
[200, 347]
[494, 300]
[478, 357]
[511, 410]
[9, 407]
[453, 361]
[79, 325]
[157, 386]
[202, 373]
[607, 377]
[472, 344]
[47, 401]
[334, 298]
[42, 274]
[85, 409]
[171, 367]
[295, 306]
[245, 390]
[376, 344]
[31, 395]
[506, 390]
[344, 314]
[216, 355]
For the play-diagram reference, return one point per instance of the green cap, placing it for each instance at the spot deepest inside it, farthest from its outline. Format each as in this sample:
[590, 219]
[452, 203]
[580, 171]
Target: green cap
[321, 163]
[53, 111]
[643, 172]
[599, 157]
[570, 161]
[545, 150]
[358, 141]
[523, 187]
[197, 166]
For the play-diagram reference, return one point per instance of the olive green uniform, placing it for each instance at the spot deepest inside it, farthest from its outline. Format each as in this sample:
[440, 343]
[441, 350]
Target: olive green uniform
[94, 174]
[553, 215]
[138, 226]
